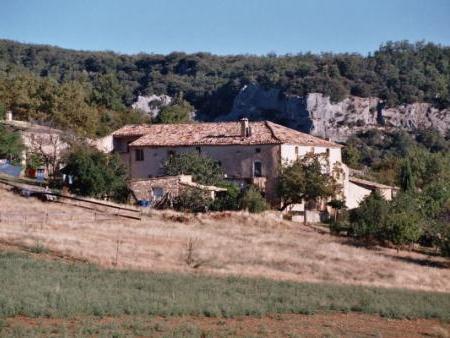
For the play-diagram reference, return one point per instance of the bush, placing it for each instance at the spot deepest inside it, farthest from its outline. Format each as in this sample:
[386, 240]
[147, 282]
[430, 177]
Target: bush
[253, 201]
[367, 221]
[96, 174]
[192, 200]
[402, 228]
[228, 200]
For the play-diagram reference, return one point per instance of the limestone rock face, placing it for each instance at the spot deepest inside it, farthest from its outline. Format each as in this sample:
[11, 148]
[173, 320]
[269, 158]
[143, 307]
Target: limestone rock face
[152, 104]
[315, 113]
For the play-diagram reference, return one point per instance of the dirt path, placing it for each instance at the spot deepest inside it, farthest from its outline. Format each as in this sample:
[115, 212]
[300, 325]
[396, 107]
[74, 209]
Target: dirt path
[289, 325]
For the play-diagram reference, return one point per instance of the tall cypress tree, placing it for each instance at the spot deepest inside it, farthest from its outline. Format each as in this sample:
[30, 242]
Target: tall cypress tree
[406, 177]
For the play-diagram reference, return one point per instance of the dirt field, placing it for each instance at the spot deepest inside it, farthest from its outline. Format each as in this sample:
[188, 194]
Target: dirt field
[238, 244]
[319, 325]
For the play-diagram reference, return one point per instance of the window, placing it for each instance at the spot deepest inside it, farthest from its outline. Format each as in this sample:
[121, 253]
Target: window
[198, 149]
[296, 151]
[157, 193]
[257, 169]
[258, 150]
[139, 154]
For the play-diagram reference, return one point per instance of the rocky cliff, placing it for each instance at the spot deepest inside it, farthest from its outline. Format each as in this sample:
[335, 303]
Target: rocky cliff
[315, 113]
[151, 104]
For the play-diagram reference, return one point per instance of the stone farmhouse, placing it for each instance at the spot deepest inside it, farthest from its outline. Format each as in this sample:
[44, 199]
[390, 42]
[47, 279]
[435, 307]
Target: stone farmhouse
[48, 142]
[248, 152]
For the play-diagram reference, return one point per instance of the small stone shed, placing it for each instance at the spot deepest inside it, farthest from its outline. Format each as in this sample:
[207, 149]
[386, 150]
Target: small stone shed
[155, 189]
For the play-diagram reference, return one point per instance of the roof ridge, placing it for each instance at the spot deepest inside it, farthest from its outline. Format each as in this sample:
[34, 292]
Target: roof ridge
[267, 123]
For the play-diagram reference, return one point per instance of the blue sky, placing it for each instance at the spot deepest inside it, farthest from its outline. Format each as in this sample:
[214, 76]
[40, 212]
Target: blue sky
[224, 26]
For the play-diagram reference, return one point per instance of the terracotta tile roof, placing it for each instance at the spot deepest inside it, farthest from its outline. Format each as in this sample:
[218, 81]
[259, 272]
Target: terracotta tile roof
[141, 188]
[133, 130]
[291, 136]
[370, 184]
[218, 133]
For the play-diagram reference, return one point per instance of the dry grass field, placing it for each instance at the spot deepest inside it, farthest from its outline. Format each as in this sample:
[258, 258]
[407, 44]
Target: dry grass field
[218, 244]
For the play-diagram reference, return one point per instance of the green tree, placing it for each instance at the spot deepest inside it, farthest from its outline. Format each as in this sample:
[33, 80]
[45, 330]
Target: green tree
[253, 201]
[203, 169]
[406, 177]
[177, 113]
[72, 111]
[11, 145]
[351, 156]
[96, 174]
[402, 228]
[304, 181]
[108, 92]
[229, 200]
[368, 220]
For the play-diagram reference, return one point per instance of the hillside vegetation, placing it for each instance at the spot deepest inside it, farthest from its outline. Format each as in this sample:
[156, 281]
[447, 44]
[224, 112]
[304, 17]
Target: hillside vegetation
[92, 90]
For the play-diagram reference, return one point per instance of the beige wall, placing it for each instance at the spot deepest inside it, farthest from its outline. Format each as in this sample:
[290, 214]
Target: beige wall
[354, 194]
[289, 153]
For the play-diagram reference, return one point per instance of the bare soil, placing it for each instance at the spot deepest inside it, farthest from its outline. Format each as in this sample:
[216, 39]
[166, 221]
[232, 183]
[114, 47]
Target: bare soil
[289, 325]
[220, 244]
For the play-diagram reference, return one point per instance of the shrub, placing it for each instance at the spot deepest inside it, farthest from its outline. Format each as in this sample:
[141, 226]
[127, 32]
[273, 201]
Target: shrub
[402, 228]
[192, 200]
[368, 219]
[96, 174]
[228, 200]
[253, 201]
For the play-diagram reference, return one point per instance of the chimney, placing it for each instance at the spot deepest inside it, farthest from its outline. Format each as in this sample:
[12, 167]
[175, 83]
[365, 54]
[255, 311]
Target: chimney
[9, 116]
[245, 129]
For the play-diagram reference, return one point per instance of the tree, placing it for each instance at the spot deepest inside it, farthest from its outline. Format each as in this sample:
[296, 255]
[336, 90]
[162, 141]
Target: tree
[351, 156]
[406, 177]
[253, 201]
[402, 228]
[11, 145]
[96, 174]
[368, 220]
[204, 170]
[48, 148]
[337, 205]
[229, 200]
[303, 181]
[72, 111]
[180, 112]
[108, 92]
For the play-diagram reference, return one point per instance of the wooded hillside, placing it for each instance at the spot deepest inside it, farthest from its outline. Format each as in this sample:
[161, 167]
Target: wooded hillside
[39, 81]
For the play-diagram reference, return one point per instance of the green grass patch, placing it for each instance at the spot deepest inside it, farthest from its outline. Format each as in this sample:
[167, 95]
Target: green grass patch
[35, 288]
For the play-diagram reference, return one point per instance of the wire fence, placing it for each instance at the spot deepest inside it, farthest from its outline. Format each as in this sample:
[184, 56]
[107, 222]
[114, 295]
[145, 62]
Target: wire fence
[53, 218]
